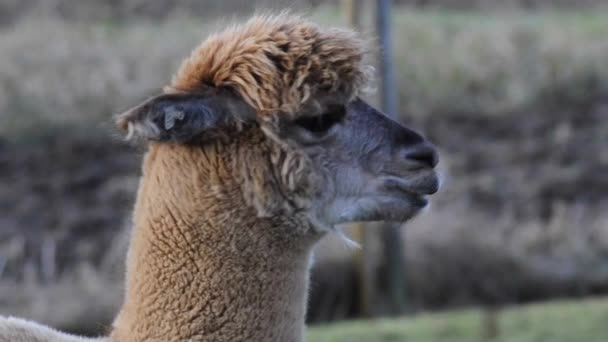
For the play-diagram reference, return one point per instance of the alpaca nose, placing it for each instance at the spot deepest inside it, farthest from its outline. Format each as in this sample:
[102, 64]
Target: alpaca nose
[424, 154]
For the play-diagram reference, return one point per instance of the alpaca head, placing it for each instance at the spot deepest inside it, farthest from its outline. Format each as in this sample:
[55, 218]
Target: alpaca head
[289, 90]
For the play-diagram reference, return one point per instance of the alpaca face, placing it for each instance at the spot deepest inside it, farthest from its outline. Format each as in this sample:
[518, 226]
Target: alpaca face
[367, 166]
[338, 162]
[318, 148]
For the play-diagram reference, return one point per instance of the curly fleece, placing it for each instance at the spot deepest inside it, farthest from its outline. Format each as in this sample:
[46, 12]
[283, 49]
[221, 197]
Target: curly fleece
[277, 64]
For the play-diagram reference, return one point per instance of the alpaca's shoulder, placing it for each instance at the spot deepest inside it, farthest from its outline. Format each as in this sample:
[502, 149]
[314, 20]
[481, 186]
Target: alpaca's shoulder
[20, 330]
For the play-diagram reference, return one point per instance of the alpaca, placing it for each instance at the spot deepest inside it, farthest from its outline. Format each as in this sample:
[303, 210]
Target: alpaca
[20, 330]
[259, 146]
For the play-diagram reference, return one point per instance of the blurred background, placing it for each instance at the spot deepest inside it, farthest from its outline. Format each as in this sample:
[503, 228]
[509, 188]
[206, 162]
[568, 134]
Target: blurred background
[513, 92]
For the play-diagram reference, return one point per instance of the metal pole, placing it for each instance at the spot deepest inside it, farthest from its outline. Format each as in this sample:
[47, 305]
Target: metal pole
[362, 258]
[352, 9]
[391, 234]
[387, 71]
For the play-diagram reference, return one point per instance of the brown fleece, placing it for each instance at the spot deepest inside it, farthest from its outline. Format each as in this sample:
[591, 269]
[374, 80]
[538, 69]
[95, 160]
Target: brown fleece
[21, 330]
[202, 266]
[277, 64]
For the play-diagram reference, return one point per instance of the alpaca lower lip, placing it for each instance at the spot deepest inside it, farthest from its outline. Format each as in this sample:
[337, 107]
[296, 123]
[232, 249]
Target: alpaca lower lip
[428, 187]
[392, 206]
[410, 199]
[419, 201]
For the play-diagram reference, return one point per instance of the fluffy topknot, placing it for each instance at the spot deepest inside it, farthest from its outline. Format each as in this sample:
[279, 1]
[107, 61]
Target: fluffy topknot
[277, 64]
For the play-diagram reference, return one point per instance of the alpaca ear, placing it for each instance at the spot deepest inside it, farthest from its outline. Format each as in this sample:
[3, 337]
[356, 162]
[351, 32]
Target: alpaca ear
[183, 118]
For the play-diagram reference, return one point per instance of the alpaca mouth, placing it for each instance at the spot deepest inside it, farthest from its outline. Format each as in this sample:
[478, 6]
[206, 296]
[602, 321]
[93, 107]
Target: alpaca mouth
[395, 206]
[418, 201]
[409, 195]
[394, 198]
[416, 187]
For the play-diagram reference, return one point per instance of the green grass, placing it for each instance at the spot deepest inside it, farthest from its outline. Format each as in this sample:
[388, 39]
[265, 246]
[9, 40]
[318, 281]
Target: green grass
[572, 321]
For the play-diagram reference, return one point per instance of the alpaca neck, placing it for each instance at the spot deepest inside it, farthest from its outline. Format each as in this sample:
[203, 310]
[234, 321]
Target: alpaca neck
[207, 269]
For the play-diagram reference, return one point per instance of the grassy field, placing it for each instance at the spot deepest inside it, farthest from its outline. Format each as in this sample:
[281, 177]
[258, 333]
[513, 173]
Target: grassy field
[515, 100]
[575, 321]
[447, 61]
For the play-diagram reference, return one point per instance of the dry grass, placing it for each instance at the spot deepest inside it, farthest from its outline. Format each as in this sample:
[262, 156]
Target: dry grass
[125, 10]
[459, 255]
[495, 63]
[56, 72]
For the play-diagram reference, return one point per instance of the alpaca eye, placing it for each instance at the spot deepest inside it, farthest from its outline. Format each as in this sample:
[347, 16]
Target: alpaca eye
[324, 122]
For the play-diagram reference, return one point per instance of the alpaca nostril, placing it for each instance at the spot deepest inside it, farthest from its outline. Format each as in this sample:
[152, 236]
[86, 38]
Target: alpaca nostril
[424, 154]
